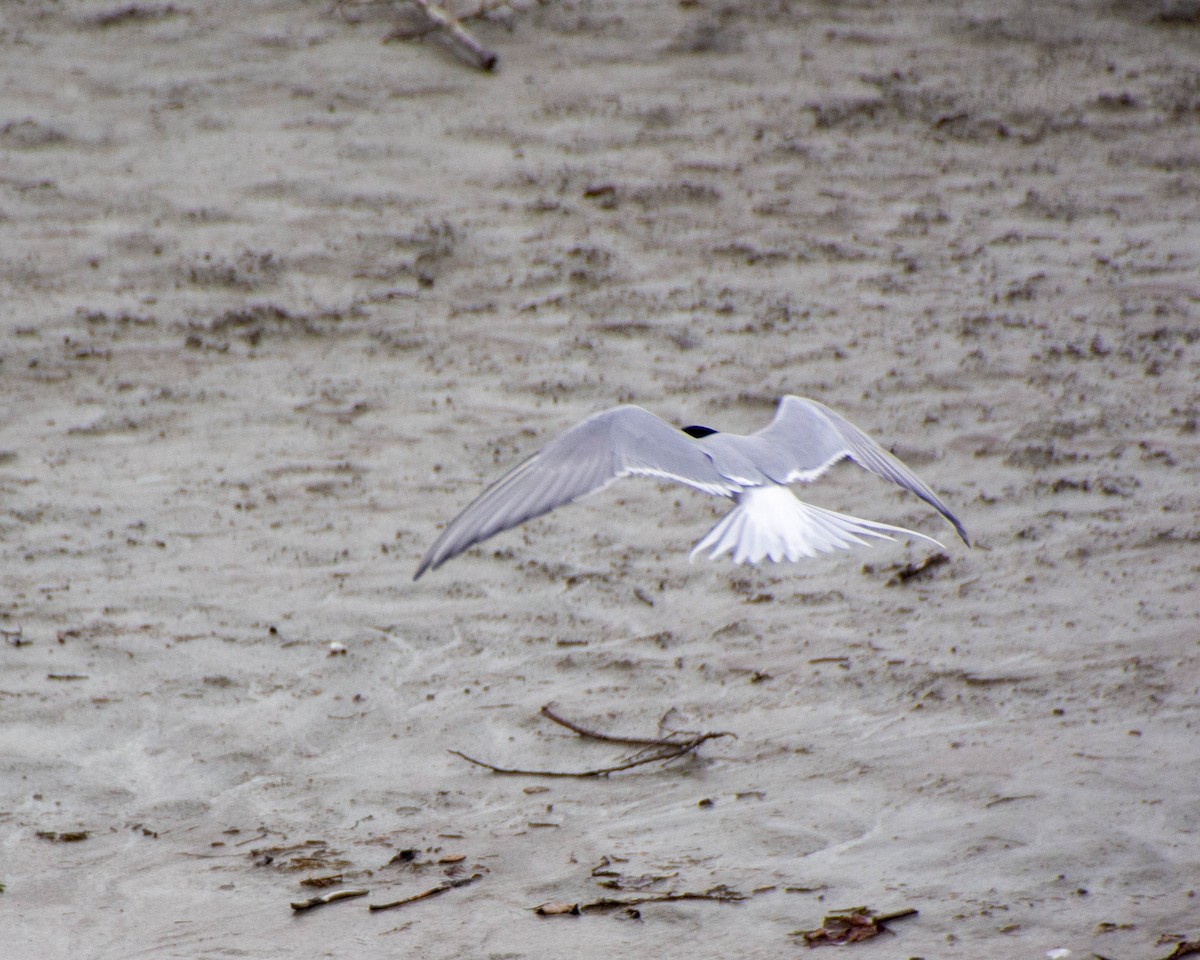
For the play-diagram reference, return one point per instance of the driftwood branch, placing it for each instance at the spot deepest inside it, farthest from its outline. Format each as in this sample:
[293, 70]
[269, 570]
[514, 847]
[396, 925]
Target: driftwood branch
[617, 903]
[320, 901]
[431, 892]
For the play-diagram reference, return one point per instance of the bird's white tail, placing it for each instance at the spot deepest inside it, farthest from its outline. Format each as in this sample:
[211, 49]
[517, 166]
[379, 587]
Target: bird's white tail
[769, 521]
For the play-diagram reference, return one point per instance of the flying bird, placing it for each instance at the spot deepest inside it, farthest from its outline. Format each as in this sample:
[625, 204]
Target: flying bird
[804, 440]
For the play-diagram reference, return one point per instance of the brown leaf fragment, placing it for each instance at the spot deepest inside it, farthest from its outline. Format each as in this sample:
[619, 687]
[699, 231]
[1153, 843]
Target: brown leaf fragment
[853, 925]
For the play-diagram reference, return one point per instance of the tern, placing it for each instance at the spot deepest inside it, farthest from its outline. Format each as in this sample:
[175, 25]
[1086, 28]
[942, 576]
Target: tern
[804, 440]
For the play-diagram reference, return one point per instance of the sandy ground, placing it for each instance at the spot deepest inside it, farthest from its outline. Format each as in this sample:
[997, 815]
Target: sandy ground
[277, 298]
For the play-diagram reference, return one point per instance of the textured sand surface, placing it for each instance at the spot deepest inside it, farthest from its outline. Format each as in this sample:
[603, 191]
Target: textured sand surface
[277, 298]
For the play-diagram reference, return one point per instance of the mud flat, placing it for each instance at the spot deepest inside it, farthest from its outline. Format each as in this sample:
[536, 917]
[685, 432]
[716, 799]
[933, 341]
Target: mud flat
[276, 298]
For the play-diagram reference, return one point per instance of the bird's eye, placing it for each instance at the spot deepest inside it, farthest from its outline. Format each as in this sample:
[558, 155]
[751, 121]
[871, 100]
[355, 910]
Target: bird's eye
[694, 431]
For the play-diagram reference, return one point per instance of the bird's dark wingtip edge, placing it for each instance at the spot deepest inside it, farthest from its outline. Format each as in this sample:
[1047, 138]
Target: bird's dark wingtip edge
[429, 562]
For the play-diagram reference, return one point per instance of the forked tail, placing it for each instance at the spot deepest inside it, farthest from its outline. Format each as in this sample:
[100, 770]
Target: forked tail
[769, 521]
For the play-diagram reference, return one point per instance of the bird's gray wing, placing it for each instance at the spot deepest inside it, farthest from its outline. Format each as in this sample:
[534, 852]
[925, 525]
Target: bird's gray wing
[616, 443]
[806, 438]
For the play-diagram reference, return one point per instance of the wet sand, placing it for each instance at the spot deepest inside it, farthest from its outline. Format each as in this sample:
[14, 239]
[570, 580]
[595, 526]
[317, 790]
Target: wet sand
[278, 298]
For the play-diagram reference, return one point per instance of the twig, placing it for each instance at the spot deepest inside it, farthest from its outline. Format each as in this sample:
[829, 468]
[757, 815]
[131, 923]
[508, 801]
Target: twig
[320, 901]
[460, 39]
[431, 892]
[718, 895]
[520, 772]
[549, 714]
[656, 750]
[612, 903]
[669, 751]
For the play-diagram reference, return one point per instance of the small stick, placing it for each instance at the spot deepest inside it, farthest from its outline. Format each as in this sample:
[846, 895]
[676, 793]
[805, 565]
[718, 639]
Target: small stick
[431, 892]
[320, 901]
[467, 45]
[521, 772]
[549, 714]
[666, 741]
[670, 751]
[616, 904]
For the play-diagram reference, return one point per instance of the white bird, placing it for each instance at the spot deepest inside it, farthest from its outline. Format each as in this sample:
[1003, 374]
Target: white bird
[803, 441]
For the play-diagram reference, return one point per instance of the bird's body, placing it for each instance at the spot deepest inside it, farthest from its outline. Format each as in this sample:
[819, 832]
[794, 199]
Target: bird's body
[803, 441]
